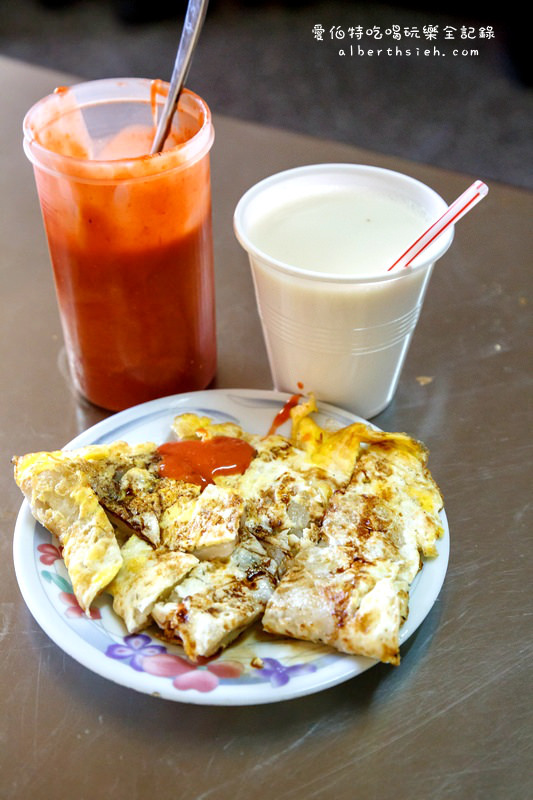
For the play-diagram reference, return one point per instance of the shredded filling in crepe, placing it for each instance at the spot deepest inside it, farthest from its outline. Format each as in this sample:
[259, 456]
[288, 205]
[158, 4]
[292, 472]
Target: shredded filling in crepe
[319, 536]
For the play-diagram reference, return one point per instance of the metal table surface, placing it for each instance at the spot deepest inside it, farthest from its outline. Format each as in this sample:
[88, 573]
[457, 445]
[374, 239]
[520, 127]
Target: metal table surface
[454, 719]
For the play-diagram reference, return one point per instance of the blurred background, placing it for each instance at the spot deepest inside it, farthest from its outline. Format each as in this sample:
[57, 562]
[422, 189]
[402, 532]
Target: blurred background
[468, 107]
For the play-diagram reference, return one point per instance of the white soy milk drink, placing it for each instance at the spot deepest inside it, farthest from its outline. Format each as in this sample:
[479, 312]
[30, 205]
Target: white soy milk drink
[320, 240]
[340, 231]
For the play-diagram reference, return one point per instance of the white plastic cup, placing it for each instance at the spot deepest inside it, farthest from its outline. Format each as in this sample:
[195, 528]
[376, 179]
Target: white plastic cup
[342, 336]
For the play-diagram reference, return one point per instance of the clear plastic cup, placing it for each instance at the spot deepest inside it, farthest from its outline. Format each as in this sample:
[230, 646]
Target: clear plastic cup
[129, 237]
[335, 321]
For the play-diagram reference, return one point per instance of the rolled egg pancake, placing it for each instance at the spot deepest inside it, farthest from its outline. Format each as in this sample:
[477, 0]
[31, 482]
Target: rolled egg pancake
[349, 589]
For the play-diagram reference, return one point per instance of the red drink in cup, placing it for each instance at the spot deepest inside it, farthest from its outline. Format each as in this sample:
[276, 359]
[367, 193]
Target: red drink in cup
[129, 237]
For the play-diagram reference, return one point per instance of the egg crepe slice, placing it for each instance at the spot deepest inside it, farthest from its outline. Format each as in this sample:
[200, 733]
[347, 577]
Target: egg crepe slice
[207, 526]
[350, 589]
[218, 599]
[129, 487]
[350, 596]
[163, 511]
[144, 577]
[61, 499]
[397, 472]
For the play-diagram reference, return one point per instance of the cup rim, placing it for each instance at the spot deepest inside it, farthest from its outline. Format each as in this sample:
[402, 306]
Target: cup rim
[422, 262]
[75, 167]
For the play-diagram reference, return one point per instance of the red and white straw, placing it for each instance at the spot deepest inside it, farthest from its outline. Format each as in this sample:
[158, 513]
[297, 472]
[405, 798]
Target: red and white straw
[453, 213]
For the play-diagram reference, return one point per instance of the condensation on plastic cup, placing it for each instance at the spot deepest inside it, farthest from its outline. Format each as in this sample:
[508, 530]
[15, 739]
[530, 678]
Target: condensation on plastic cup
[343, 337]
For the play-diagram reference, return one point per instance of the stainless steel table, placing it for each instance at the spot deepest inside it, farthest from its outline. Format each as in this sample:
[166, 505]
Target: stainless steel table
[454, 720]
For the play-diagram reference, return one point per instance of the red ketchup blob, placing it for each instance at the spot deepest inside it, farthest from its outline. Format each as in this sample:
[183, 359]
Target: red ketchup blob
[200, 461]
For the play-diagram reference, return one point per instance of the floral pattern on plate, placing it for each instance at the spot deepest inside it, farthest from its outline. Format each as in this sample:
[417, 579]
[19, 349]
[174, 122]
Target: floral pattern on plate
[143, 653]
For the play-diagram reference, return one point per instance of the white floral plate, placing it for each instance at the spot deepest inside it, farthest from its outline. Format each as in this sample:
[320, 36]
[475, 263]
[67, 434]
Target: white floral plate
[258, 668]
